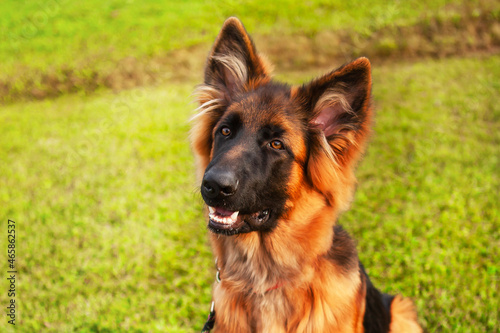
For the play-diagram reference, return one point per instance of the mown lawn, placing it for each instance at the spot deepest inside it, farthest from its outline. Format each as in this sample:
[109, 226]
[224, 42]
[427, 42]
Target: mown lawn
[110, 232]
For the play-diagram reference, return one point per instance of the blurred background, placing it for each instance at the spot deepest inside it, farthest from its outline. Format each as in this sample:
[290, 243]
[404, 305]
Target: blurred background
[96, 169]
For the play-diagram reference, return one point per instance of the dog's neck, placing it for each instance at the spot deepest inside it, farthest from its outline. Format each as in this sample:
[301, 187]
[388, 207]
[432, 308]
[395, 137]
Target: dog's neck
[258, 261]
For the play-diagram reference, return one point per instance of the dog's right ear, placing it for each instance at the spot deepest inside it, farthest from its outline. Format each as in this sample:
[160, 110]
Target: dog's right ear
[233, 65]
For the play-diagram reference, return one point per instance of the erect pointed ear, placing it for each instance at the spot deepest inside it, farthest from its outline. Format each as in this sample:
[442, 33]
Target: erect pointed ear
[337, 106]
[233, 64]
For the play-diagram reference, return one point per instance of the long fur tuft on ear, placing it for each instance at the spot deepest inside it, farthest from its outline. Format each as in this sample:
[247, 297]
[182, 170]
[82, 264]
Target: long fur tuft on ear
[234, 65]
[338, 107]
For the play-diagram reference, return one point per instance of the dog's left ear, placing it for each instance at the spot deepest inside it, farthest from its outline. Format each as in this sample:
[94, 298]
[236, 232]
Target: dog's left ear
[337, 106]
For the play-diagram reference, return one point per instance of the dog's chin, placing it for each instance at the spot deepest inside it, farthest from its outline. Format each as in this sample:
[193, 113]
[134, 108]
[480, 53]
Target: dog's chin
[227, 222]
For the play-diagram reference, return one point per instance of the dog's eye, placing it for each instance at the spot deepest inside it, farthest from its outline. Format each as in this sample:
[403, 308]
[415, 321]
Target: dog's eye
[278, 145]
[225, 131]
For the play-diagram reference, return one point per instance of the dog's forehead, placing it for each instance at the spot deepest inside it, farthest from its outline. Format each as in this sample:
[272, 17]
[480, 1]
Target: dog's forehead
[267, 108]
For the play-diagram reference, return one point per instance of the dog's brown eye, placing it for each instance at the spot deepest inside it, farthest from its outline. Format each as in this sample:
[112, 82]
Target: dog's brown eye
[276, 144]
[225, 131]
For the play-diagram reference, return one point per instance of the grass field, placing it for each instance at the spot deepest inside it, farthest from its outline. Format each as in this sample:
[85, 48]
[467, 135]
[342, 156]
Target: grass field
[110, 232]
[112, 30]
[110, 235]
[51, 48]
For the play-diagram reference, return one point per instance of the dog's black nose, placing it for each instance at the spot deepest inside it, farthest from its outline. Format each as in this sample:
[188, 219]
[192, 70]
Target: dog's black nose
[219, 183]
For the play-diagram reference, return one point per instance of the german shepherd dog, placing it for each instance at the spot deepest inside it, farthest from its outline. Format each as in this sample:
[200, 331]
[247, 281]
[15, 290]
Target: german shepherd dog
[276, 164]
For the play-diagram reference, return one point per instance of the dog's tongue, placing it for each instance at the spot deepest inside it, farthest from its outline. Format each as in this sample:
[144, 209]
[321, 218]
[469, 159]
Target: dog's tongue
[223, 212]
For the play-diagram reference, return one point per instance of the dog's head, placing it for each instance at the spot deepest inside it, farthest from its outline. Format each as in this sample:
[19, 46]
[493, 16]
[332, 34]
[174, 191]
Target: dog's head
[260, 144]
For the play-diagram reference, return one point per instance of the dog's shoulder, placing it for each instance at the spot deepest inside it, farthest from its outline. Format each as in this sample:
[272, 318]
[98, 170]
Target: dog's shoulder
[343, 252]
[343, 255]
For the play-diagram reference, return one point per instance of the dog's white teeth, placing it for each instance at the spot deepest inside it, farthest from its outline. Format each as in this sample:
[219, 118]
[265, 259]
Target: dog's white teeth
[234, 216]
[222, 219]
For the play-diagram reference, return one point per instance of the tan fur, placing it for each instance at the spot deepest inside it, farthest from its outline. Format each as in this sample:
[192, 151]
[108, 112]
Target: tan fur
[235, 65]
[404, 316]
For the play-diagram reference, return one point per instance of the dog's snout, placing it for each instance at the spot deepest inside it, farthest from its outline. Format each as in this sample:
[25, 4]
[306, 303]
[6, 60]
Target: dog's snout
[219, 183]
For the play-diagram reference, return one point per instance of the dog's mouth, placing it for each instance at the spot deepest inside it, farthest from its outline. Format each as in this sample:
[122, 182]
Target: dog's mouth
[230, 222]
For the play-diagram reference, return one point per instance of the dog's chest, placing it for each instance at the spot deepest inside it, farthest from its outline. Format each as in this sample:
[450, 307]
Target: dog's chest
[280, 310]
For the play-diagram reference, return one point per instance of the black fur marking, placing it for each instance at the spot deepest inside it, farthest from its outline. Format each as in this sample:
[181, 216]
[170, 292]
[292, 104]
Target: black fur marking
[343, 250]
[377, 317]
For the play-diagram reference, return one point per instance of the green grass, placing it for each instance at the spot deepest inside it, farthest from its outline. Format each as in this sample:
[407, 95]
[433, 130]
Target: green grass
[110, 232]
[58, 36]
[51, 48]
